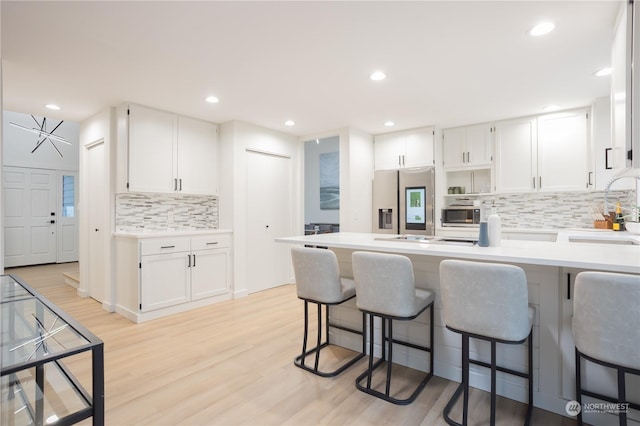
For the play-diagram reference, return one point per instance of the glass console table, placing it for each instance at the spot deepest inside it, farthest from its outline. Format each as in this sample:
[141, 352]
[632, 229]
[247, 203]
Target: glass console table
[40, 348]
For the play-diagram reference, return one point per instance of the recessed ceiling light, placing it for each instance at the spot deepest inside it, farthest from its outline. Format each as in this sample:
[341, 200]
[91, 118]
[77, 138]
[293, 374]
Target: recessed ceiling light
[389, 123]
[212, 99]
[378, 75]
[542, 29]
[551, 108]
[603, 72]
[53, 107]
[289, 123]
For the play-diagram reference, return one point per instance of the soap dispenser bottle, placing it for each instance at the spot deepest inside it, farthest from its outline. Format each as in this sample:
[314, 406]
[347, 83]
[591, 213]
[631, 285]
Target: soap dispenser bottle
[495, 228]
[483, 236]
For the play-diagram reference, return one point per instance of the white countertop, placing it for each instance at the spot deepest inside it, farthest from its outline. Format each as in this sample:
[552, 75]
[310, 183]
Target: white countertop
[151, 233]
[584, 255]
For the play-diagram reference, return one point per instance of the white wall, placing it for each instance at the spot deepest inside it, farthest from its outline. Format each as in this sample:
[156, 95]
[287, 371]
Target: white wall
[235, 138]
[311, 195]
[99, 127]
[1, 149]
[18, 143]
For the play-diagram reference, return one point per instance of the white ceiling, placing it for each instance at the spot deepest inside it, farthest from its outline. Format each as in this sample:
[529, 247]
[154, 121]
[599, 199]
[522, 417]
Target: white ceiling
[448, 63]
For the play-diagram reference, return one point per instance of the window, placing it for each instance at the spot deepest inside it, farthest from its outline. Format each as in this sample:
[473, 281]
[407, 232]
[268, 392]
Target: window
[68, 196]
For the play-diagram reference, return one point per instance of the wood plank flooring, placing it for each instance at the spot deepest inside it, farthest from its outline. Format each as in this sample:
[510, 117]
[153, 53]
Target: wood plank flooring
[232, 364]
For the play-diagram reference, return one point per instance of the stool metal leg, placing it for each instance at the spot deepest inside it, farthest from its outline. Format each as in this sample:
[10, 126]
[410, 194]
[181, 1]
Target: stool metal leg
[530, 379]
[306, 331]
[299, 361]
[493, 384]
[578, 386]
[463, 387]
[622, 398]
[319, 340]
[387, 355]
[390, 357]
[371, 334]
[465, 377]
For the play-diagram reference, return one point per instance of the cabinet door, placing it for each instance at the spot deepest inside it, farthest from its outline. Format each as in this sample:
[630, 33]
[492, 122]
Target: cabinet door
[418, 147]
[389, 150]
[197, 157]
[164, 280]
[516, 155]
[152, 137]
[563, 152]
[479, 145]
[453, 147]
[209, 273]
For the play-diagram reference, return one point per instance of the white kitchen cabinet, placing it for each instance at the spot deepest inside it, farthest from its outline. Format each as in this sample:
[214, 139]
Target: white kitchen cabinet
[152, 154]
[158, 276]
[546, 153]
[168, 153]
[469, 146]
[210, 267]
[197, 170]
[411, 148]
[164, 280]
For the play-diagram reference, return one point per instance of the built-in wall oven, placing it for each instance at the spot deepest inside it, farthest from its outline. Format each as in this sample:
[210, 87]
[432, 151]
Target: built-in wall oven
[460, 216]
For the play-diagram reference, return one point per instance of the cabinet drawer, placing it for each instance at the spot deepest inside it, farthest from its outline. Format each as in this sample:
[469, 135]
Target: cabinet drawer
[210, 241]
[164, 245]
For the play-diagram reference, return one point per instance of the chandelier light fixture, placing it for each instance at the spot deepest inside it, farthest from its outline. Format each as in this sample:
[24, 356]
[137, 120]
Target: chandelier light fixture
[43, 134]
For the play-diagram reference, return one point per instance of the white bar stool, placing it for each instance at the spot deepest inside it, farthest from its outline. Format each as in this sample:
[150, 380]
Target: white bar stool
[386, 289]
[318, 281]
[606, 330]
[486, 301]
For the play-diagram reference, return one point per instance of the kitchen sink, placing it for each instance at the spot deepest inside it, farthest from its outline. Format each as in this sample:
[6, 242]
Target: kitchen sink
[626, 242]
[430, 239]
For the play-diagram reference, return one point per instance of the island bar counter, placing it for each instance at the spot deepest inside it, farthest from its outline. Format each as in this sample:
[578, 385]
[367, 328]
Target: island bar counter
[550, 268]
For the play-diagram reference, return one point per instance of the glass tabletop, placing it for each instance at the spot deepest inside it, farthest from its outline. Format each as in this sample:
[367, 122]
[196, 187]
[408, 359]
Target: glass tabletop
[29, 330]
[11, 290]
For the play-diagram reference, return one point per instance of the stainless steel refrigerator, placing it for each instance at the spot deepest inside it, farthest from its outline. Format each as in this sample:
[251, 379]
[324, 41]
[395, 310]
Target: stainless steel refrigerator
[403, 201]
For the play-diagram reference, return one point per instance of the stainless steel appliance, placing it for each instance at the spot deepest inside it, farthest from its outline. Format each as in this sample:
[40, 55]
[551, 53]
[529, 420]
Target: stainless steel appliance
[460, 216]
[403, 201]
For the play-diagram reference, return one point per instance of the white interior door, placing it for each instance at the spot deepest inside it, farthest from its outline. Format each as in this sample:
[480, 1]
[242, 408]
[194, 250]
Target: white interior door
[67, 217]
[98, 228]
[29, 216]
[268, 217]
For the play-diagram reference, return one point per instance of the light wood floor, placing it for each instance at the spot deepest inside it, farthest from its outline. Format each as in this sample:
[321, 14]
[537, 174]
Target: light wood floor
[232, 364]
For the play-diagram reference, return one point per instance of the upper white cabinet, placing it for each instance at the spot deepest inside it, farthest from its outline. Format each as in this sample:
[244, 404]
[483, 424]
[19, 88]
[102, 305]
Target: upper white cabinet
[197, 156]
[469, 146]
[168, 153]
[411, 148]
[152, 143]
[545, 153]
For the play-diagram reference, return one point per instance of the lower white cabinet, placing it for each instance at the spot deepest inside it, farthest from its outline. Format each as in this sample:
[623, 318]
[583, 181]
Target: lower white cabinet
[164, 280]
[159, 276]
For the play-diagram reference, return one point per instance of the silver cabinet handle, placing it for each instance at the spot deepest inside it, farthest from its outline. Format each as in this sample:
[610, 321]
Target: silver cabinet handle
[214, 242]
[175, 184]
[180, 184]
[166, 247]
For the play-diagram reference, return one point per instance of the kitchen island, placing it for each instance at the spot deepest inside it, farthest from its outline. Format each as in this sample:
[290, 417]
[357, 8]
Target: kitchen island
[550, 268]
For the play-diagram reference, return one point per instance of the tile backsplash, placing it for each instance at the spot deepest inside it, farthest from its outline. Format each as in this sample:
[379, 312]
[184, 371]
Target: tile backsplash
[549, 209]
[165, 211]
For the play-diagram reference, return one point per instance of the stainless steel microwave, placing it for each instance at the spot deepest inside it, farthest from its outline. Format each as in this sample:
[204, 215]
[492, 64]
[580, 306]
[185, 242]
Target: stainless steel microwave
[460, 216]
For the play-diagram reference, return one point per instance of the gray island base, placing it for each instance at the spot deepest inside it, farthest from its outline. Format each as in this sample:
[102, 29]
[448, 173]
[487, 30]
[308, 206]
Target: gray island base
[550, 268]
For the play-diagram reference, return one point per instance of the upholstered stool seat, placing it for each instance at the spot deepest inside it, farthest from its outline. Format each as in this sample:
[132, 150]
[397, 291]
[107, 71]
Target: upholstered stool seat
[486, 301]
[318, 281]
[606, 330]
[386, 289]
